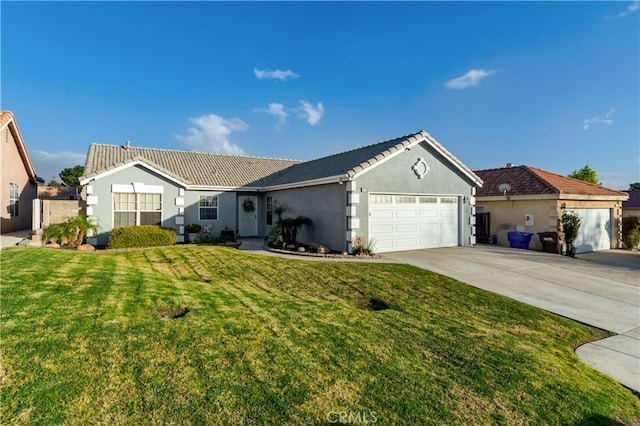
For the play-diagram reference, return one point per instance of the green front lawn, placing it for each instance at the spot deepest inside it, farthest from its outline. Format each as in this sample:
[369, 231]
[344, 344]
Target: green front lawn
[85, 339]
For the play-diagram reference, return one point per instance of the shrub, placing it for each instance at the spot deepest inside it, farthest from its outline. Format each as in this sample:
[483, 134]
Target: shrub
[631, 231]
[571, 226]
[363, 247]
[141, 236]
[193, 228]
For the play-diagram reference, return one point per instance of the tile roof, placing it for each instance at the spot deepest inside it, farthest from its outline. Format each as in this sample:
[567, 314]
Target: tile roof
[634, 199]
[195, 168]
[527, 180]
[207, 169]
[8, 119]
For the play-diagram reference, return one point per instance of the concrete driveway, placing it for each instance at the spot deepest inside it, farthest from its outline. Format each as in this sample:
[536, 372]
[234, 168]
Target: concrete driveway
[600, 289]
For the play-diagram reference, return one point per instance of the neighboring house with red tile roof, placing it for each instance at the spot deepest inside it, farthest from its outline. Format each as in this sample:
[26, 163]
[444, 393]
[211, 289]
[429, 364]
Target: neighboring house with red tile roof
[532, 200]
[18, 180]
[631, 207]
[404, 193]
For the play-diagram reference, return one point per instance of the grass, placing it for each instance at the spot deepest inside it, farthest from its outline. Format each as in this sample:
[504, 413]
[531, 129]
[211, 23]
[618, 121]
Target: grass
[211, 335]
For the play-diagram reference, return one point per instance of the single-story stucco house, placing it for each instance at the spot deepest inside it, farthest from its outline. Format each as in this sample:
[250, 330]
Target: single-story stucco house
[405, 193]
[528, 199]
[18, 178]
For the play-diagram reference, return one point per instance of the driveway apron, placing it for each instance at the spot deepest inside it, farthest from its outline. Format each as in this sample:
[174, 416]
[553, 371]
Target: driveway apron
[602, 295]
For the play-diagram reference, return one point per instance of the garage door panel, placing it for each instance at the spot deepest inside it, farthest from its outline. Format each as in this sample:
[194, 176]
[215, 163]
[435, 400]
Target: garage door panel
[424, 213]
[407, 227]
[406, 213]
[429, 227]
[406, 243]
[382, 229]
[382, 213]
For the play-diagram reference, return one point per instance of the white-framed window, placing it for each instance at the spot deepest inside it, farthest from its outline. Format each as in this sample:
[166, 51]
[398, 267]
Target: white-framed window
[208, 207]
[14, 199]
[269, 210]
[130, 209]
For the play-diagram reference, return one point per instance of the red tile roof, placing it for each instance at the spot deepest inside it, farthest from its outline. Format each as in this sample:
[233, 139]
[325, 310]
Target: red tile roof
[527, 180]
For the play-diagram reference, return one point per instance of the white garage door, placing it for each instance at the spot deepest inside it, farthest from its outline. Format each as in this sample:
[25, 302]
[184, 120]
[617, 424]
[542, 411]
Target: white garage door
[409, 222]
[595, 230]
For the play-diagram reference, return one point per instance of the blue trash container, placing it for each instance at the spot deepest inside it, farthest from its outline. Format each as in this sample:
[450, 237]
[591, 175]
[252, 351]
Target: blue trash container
[519, 240]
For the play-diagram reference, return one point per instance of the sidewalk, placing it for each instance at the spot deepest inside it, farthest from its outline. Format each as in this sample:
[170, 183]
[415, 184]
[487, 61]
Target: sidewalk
[12, 239]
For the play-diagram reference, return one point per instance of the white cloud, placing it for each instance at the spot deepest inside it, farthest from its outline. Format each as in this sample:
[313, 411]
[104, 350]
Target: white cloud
[274, 75]
[48, 165]
[211, 134]
[313, 114]
[277, 110]
[598, 119]
[633, 7]
[472, 78]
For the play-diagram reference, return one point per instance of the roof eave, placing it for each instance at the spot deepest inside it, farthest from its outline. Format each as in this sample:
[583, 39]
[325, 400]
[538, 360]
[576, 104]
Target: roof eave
[131, 163]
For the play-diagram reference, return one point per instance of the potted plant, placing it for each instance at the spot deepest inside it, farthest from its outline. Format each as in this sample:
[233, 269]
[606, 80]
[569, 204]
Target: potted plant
[193, 229]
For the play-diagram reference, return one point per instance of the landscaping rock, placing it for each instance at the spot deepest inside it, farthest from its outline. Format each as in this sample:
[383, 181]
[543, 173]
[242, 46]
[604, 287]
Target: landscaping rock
[52, 245]
[318, 248]
[86, 247]
[301, 249]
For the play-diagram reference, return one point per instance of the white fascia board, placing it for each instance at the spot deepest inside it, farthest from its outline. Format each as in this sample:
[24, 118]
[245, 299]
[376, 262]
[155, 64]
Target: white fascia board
[594, 197]
[313, 182]
[223, 188]
[518, 197]
[132, 164]
[575, 197]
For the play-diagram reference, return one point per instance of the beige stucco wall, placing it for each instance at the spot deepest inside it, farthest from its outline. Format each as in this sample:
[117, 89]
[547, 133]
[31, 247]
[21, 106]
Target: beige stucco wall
[507, 215]
[631, 212]
[13, 171]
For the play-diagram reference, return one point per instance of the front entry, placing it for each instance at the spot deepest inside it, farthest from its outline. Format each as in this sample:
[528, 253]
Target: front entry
[248, 208]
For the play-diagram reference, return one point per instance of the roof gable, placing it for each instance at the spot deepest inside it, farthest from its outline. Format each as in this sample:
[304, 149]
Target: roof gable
[7, 119]
[527, 180]
[350, 164]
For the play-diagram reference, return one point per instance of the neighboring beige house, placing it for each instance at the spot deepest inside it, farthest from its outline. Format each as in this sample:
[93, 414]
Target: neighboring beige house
[528, 199]
[631, 207]
[19, 183]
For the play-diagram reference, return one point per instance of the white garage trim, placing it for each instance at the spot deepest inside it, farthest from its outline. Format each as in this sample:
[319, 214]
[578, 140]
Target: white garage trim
[413, 221]
[595, 230]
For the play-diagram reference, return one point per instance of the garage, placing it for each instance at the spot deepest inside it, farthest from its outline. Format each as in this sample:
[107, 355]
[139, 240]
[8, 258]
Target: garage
[595, 230]
[413, 221]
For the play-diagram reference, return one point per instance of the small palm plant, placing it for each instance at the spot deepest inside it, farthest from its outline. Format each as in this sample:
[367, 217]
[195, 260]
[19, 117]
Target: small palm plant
[73, 231]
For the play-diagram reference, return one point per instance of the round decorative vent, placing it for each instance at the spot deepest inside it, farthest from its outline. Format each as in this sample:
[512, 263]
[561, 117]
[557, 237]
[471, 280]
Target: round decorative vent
[420, 168]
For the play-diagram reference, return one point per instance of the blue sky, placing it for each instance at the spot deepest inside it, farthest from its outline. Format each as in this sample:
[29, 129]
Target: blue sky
[553, 85]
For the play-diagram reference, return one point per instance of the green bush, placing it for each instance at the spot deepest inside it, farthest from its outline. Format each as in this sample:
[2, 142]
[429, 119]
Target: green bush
[141, 236]
[631, 231]
[570, 226]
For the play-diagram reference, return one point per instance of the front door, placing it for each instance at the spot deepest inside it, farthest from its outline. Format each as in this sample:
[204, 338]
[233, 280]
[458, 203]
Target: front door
[248, 208]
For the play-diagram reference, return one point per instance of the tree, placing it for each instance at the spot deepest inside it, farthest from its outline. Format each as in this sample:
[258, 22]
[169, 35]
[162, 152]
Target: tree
[634, 186]
[586, 174]
[70, 176]
[53, 182]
